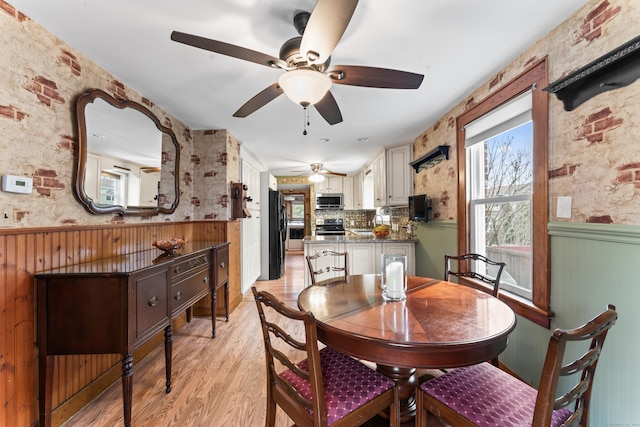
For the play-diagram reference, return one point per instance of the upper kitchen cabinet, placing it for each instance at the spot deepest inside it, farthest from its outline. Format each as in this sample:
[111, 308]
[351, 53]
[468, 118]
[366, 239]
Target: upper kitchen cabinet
[378, 170]
[399, 183]
[347, 191]
[357, 191]
[331, 184]
[391, 176]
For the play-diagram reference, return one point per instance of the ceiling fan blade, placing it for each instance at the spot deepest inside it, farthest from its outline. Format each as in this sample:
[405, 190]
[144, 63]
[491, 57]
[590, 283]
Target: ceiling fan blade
[328, 109]
[334, 173]
[228, 49]
[356, 75]
[327, 23]
[260, 100]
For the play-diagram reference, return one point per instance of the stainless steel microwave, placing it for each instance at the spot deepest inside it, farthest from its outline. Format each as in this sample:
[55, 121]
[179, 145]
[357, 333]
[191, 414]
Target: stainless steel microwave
[330, 201]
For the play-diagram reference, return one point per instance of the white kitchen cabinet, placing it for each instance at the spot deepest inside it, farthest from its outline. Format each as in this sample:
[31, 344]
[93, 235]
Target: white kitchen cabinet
[399, 182]
[251, 178]
[362, 258]
[347, 191]
[357, 191]
[250, 228]
[149, 186]
[331, 184]
[92, 176]
[379, 181]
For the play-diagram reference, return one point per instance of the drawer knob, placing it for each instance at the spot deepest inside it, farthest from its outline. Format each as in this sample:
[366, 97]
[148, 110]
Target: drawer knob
[176, 270]
[154, 301]
[206, 259]
[178, 296]
[205, 279]
[222, 264]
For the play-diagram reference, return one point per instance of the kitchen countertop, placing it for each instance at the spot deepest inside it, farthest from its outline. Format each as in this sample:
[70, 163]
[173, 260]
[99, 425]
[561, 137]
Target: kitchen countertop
[357, 239]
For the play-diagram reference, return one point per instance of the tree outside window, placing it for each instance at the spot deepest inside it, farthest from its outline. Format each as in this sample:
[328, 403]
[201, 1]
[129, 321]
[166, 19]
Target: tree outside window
[297, 210]
[501, 204]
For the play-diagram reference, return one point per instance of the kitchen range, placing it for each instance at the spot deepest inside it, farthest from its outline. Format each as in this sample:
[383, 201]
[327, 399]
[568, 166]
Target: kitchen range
[329, 227]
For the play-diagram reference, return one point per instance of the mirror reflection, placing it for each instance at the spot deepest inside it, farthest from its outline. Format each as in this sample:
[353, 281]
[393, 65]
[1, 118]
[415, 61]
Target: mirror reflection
[128, 161]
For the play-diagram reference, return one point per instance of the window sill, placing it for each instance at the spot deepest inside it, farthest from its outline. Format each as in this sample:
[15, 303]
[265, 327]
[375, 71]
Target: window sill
[526, 309]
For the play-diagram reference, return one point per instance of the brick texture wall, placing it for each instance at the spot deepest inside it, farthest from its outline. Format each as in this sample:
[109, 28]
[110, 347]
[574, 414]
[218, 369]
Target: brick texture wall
[594, 155]
[41, 78]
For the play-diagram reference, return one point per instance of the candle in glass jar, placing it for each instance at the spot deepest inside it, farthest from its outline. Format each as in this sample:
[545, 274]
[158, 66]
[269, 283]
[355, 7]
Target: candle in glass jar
[395, 275]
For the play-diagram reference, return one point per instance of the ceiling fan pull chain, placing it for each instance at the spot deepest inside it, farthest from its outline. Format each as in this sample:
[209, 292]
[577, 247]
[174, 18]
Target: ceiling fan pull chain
[305, 118]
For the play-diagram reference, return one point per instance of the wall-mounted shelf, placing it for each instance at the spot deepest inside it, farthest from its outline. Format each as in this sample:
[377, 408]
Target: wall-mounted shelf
[432, 158]
[616, 69]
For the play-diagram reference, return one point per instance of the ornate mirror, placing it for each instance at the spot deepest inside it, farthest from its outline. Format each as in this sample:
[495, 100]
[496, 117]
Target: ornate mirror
[127, 161]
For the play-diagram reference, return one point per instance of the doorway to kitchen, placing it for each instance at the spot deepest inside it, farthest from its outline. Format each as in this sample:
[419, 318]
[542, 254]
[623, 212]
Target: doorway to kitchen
[297, 206]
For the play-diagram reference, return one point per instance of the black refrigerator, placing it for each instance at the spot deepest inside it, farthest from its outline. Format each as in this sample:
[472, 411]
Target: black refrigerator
[277, 234]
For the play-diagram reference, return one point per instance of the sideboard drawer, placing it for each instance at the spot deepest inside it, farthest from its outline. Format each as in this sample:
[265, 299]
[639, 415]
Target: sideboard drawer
[222, 264]
[186, 266]
[152, 305]
[191, 289]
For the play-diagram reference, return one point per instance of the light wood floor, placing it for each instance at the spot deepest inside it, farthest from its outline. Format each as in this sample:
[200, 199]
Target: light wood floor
[216, 383]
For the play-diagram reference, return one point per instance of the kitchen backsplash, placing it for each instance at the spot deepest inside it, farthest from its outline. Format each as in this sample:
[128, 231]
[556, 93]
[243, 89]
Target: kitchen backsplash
[364, 219]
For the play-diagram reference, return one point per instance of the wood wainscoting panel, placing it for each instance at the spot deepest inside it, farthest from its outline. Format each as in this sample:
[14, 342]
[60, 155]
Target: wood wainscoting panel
[203, 307]
[24, 252]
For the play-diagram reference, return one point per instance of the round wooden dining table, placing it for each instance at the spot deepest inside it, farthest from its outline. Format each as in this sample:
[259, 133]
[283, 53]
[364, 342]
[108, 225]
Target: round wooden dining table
[439, 325]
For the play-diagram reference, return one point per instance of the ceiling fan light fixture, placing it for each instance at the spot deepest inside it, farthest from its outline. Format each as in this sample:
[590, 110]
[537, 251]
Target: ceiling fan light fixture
[305, 86]
[316, 177]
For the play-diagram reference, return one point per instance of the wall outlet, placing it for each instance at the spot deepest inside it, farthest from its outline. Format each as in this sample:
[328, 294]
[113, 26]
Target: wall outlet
[6, 215]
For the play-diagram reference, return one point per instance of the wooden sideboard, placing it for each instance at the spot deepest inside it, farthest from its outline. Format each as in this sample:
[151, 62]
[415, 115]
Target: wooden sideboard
[116, 304]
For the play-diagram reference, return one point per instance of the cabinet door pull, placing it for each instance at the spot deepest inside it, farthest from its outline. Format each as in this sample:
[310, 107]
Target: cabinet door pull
[154, 301]
[178, 296]
[222, 264]
[206, 279]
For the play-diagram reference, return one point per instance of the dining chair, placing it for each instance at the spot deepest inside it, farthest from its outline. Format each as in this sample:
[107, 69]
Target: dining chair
[326, 388]
[492, 270]
[483, 395]
[327, 262]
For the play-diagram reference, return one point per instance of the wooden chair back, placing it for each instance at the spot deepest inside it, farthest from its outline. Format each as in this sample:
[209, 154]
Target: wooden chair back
[464, 269]
[328, 262]
[596, 331]
[299, 389]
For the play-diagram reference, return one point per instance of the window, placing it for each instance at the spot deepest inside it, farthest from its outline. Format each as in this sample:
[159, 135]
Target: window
[503, 198]
[297, 210]
[112, 189]
[499, 152]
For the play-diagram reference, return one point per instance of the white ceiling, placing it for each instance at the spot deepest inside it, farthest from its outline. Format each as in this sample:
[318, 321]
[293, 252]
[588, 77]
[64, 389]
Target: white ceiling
[456, 44]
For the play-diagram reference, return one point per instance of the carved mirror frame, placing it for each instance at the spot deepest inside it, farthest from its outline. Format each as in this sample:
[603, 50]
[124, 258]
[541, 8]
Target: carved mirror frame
[82, 150]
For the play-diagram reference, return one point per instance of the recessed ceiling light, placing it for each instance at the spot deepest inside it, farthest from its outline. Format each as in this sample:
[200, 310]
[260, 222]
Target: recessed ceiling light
[323, 140]
[363, 139]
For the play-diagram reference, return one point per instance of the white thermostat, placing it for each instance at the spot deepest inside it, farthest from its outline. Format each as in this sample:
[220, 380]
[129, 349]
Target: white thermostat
[17, 184]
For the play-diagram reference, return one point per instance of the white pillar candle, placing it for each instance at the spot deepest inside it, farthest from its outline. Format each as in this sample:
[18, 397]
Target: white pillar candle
[395, 280]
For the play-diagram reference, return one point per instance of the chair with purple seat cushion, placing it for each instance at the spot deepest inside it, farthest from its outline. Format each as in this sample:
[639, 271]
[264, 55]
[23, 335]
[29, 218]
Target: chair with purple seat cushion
[326, 388]
[483, 395]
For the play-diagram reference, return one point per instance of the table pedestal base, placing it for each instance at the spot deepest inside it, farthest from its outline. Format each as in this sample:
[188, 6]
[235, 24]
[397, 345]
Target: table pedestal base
[407, 382]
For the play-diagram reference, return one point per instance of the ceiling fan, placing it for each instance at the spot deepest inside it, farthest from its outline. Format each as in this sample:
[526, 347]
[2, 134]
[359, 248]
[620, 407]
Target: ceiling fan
[317, 173]
[305, 60]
